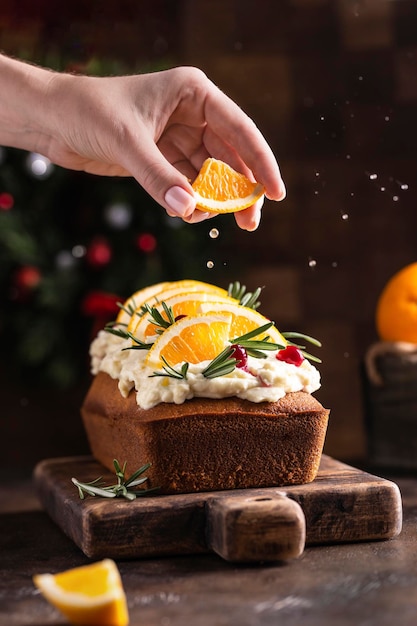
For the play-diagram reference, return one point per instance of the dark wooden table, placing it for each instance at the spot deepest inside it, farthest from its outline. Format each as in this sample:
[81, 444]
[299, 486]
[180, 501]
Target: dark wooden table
[368, 584]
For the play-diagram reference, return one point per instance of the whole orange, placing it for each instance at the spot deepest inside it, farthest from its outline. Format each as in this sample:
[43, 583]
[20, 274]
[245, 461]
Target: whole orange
[396, 310]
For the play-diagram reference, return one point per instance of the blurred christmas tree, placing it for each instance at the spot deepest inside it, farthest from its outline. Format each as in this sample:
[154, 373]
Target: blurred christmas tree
[71, 246]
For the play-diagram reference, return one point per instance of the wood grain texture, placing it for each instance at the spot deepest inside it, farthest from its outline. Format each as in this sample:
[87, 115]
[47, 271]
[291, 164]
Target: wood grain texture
[343, 504]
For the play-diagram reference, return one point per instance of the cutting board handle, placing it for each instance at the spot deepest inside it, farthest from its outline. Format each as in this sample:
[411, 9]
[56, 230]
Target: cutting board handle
[255, 528]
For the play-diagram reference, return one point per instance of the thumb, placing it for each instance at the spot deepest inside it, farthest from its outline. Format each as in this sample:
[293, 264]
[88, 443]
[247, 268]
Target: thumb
[161, 180]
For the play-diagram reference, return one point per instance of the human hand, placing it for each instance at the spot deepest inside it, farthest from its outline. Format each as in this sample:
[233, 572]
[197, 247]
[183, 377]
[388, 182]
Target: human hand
[158, 128]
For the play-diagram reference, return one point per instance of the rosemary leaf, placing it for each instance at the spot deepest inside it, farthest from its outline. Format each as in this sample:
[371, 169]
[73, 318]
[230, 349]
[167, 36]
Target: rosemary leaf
[259, 345]
[310, 357]
[129, 309]
[91, 490]
[251, 299]
[131, 481]
[253, 333]
[248, 299]
[220, 370]
[223, 364]
[257, 354]
[171, 372]
[294, 335]
[156, 316]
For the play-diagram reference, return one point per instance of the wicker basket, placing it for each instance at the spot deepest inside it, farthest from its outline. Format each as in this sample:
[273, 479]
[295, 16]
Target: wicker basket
[390, 390]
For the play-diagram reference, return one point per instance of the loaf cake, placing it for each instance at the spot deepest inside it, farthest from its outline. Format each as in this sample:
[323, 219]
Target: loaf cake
[237, 414]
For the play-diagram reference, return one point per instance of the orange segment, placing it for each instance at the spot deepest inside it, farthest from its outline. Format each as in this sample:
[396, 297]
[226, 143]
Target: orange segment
[191, 339]
[90, 594]
[220, 189]
[181, 304]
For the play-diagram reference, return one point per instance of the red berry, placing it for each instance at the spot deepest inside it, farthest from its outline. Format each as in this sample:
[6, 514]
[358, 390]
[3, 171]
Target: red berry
[291, 355]
[240, 355]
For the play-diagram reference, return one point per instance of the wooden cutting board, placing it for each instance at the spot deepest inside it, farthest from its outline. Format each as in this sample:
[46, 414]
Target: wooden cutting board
[343, 504]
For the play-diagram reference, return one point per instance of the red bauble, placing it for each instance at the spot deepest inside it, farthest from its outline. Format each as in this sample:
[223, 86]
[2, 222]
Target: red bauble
[146, 242]
[100, 304]
[27, 277]
[6, 201]
[99, 252]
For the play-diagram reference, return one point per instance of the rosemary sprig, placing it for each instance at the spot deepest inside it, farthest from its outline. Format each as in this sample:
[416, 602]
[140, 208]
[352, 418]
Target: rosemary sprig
[171, 372]
[122, 489]
[157, 318]
[246, 298]
[223, 364]
[254, 346]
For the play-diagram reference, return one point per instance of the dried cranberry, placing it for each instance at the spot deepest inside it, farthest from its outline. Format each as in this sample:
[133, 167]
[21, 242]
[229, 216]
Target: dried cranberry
[291, 355]
[240, 355]
[179, 317]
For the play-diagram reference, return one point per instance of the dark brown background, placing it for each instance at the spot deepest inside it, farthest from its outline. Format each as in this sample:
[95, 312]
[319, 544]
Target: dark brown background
[332, 84]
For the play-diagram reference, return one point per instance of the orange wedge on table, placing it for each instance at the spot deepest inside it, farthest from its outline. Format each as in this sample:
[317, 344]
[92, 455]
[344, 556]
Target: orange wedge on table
[90, 594]
[198, 338]
[218, 188]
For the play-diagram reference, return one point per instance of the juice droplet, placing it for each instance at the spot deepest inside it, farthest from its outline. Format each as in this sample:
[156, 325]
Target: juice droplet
[404, 186]
[214, 233]
[210, 264]
[345, 216]
[312, 263]
[373, 176]
[395, 198]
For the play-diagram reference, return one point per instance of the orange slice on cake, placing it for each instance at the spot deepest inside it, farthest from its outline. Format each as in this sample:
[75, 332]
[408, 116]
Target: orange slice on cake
[194, 339]
[218, 188]
[191, 340]
[133, 301]
[132, 308]
[182, 304]
[244, 320]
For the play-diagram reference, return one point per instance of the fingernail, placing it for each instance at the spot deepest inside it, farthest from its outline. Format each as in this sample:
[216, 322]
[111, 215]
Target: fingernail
[179, 201]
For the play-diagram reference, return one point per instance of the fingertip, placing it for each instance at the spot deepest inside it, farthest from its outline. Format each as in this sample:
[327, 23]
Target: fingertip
[278, 194]
[198, 216]
[250, 218]
[179, 203]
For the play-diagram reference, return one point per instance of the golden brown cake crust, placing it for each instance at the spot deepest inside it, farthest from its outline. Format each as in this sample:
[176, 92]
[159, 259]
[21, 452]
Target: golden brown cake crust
[207, 444]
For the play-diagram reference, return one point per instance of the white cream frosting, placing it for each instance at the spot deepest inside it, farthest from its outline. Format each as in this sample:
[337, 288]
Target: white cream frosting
[262, 380]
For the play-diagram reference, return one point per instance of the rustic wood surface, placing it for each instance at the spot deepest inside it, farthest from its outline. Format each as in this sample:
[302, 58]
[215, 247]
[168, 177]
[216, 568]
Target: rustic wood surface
[354, 584]
[343, 504]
